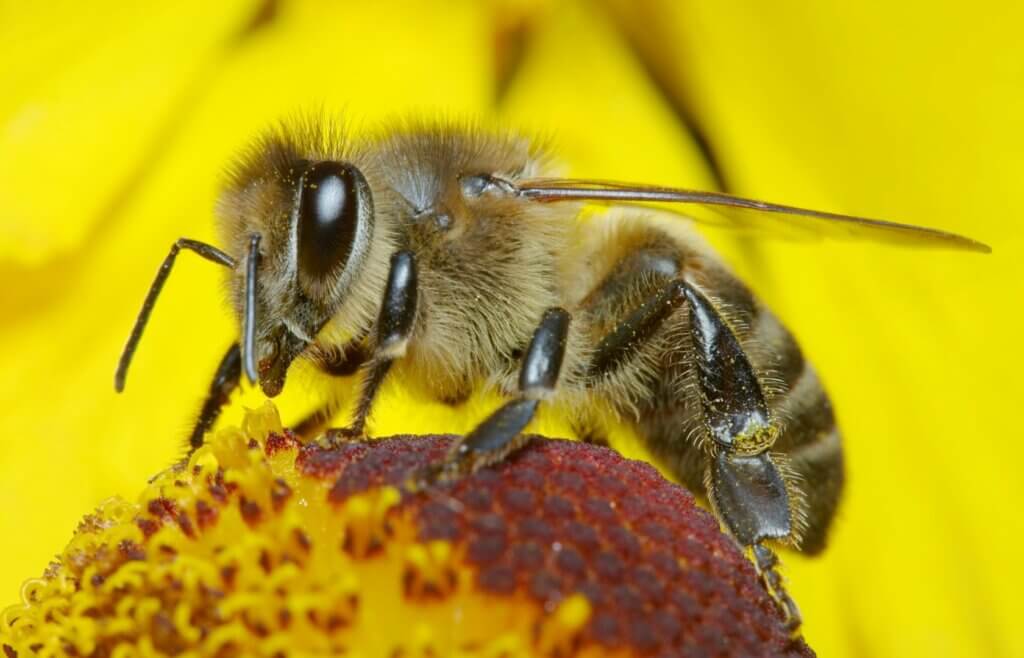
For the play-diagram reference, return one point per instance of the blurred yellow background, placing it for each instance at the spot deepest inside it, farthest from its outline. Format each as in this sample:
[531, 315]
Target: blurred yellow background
[116, 121]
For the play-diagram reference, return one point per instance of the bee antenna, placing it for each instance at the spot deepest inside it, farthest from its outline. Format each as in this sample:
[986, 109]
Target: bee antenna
[207, 251]
[249, 311]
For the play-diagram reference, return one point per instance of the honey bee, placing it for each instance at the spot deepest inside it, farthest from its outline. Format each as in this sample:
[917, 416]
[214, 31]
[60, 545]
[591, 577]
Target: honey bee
[449, 254]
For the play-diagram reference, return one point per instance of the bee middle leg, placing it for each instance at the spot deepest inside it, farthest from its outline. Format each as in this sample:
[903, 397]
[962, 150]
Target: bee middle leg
[333, 361]
[500, 434]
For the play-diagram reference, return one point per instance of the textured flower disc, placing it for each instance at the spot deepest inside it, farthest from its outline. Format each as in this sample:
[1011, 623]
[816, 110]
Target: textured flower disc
[261, 546]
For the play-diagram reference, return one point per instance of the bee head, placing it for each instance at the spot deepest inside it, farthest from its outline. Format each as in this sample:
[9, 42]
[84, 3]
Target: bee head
[310, 216]
[330, 223]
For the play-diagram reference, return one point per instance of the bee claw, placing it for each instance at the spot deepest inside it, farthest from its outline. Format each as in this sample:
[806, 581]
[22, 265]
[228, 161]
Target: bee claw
[175, 468]
[336, 436]
[766, 562]
[427, 480]
[421, 478]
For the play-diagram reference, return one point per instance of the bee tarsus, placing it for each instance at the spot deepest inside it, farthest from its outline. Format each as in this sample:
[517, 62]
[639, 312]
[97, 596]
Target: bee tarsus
[376, 371]
[765, 561]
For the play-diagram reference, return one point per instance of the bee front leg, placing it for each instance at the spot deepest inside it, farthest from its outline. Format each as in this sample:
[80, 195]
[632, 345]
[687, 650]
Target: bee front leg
[500, 434]
[394, 328]
[225, 382]
[745, 485]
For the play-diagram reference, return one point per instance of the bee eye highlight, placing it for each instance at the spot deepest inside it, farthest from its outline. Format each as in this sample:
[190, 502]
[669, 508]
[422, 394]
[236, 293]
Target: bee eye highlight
[331, 200]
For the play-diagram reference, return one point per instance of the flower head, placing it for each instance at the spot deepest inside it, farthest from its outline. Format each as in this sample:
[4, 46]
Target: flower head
[261, 546]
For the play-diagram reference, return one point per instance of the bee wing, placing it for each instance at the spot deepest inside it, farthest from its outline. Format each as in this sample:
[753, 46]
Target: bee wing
[746, 214]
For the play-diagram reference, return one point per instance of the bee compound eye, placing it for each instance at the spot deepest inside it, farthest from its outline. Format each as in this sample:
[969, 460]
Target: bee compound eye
[333, 200]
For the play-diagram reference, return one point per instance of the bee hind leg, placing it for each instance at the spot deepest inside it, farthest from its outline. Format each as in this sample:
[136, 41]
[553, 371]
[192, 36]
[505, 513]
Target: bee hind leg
[500, 434]
[752, 497]
[748, 491]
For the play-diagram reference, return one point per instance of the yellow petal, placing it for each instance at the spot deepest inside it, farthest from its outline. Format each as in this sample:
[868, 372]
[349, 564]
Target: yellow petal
[91, 99]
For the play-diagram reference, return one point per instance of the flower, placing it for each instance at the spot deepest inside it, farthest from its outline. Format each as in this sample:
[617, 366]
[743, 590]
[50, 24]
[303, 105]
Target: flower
[262, 546]
[117, 121]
